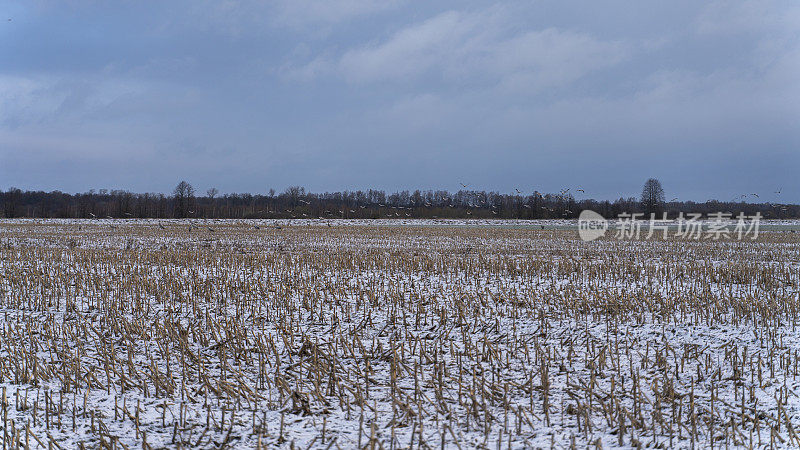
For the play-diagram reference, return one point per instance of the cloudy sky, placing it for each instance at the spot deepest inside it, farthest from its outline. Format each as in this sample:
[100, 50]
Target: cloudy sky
[393, 94]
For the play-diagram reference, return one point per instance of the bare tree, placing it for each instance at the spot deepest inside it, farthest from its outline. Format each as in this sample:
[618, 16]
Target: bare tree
[11, 207]
[212, 193]
[652, 197]
[184, 197]
[294, 193]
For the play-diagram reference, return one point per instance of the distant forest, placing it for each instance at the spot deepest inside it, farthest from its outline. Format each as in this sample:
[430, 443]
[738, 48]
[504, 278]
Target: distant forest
[296, 202]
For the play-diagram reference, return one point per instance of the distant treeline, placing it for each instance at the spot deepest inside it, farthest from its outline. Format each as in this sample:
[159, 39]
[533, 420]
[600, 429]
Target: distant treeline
[295, 202]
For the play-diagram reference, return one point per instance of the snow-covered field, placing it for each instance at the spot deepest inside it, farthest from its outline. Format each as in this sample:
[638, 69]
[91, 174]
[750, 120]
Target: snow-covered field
[393, 334]
[494, 223]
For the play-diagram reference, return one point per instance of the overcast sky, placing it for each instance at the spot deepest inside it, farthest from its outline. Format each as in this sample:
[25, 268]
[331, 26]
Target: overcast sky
[393, 94]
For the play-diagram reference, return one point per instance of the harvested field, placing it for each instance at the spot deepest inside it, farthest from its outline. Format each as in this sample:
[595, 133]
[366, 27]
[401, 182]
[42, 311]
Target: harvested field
[215, 335]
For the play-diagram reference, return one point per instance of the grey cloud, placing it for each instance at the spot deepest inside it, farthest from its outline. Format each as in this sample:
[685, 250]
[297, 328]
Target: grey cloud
[468, 47]
[246, 95]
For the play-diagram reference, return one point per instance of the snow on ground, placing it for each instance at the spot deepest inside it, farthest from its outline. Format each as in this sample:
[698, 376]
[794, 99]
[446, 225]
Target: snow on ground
[162, 334]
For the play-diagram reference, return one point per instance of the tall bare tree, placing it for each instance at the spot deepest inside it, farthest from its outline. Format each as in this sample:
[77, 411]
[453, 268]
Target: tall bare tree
[184, 198]
[652, 197]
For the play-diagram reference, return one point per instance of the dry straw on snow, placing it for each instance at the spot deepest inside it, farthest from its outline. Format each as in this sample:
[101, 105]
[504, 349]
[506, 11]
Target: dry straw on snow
[165, 334]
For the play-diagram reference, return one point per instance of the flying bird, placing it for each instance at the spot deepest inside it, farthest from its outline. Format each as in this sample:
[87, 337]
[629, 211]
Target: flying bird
[463, 185]
[580, 190]
[673, 199]
[779, 190]
[754, 195]
[518, 191]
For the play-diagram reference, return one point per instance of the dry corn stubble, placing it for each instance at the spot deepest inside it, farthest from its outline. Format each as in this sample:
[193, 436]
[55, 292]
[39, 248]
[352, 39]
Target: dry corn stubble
[393, 337]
